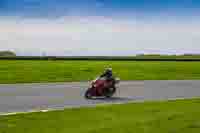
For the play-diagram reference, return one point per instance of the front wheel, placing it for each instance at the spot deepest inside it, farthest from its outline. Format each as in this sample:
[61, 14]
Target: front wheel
[88, 94]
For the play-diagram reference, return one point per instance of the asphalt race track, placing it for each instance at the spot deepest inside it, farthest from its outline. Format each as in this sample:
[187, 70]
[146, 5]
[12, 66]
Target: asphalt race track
[27, 97]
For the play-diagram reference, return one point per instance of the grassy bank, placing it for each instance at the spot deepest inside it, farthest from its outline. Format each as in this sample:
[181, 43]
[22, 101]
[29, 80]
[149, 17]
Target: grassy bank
[62, 71]
[152, 117]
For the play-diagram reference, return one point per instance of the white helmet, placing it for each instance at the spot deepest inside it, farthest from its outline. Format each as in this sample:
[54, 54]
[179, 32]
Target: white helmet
[108, 70]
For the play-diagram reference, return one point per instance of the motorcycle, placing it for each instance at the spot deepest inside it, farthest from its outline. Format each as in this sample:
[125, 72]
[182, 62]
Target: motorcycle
[101, 87]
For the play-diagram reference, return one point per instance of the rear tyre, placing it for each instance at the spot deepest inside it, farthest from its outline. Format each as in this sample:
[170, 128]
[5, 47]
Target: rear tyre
[110, 92]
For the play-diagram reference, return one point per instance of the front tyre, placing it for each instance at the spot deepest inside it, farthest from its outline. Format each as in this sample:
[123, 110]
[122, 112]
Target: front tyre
[88, 94]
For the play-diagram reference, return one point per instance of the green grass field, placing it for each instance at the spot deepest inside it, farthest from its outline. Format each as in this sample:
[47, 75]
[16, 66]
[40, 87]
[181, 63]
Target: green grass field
[21, 71]
[180, 116]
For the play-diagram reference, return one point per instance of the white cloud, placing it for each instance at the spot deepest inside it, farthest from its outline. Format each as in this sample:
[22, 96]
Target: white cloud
[98, 36]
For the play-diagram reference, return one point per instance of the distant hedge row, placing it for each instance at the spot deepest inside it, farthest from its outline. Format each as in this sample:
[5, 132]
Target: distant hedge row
[96, 58]
[7, 54]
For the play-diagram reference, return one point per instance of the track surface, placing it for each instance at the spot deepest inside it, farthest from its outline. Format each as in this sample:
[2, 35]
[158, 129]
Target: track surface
[26, 97]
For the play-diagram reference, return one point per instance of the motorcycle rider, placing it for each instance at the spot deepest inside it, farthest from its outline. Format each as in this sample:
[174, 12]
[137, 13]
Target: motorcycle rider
[108, 74]
[107, 85]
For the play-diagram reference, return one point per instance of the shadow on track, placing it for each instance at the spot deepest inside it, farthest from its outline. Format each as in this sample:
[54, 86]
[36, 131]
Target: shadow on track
[112, 99]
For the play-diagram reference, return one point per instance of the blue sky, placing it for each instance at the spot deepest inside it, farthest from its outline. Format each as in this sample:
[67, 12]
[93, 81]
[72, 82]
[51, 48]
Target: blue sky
[53, 8]
[100, 27]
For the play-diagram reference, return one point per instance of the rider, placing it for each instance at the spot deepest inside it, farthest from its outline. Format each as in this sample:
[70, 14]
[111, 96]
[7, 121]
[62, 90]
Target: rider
[109, 77]
[107, 74]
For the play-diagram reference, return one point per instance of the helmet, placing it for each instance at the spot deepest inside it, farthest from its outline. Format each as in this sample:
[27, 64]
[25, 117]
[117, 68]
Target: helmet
[108, 70]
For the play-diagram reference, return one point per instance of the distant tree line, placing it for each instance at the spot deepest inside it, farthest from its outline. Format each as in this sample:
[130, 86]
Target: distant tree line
[7, 54]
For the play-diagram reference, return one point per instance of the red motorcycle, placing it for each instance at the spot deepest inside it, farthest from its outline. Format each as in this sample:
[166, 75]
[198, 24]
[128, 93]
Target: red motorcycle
[101, 87]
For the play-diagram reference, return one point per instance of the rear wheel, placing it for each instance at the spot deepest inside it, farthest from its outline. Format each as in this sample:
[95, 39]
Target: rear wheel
[110, 92]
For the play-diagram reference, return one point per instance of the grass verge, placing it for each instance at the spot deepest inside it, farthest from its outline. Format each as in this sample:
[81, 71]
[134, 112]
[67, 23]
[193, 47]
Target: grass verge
[21, 71]
[181, 116]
